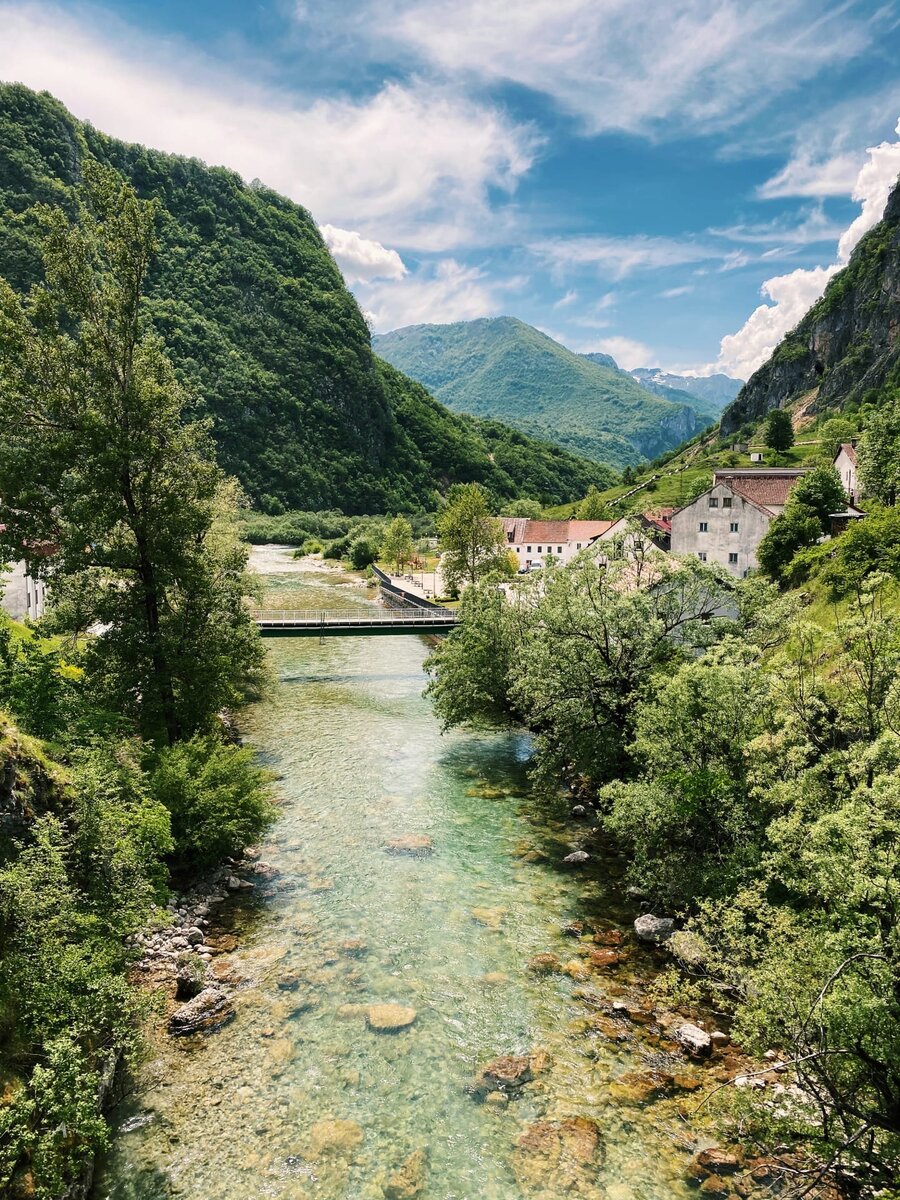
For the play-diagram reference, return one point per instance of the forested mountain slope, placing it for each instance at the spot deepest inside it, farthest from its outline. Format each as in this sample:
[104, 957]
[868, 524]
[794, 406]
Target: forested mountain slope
[259, 324]
[500, 367]
[847, 345]
[706, 411]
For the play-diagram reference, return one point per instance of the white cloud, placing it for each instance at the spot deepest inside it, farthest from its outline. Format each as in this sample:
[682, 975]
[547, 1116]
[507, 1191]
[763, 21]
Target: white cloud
[794, 294]
[803, 176]
[696, 64]
[361, 259]
[627, 352]
[813, 226]
[673, 292]
[569, 298]
[617, 257]
[413, 164]
[448, 291]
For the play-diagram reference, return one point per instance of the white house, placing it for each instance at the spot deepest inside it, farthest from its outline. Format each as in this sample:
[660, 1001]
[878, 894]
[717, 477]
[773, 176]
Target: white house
[23, 595]
[726, 523]
[845, 465]
[533, 542]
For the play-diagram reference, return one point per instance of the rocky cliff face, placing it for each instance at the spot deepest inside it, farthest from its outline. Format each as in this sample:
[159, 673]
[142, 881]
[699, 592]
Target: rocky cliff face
[848, 342]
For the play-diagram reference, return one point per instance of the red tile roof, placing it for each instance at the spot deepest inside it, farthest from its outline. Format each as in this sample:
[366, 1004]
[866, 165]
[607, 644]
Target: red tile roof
[850, 450]
[766, 488]
[559, 532]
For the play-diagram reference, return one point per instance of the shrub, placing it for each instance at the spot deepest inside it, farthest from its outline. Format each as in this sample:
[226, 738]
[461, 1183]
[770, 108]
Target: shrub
[217, 796]
[362, 554]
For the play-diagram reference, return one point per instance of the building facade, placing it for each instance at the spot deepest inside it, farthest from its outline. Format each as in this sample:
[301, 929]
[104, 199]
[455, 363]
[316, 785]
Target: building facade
[23, 596]
[845, 465]
[533, 542]
[726, 523]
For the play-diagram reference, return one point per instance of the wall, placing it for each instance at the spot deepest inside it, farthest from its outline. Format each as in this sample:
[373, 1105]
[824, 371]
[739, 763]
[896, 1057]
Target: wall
[719, 541]
[23, 596]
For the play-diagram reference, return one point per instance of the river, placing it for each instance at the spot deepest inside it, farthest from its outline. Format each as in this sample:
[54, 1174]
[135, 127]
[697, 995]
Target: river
[298, 1098]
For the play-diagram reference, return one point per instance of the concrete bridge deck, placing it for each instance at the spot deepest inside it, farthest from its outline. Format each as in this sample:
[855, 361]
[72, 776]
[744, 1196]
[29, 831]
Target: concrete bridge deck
[353, 623]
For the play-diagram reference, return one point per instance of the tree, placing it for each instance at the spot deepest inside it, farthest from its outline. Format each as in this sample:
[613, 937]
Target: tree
[797, 527]
[472, 540]
[593, 507]
[363, 553]
[878, 453]
[822, 492]
[397, 546]
[530, 509]
[104, 489]
[834, 432]
[778, 433]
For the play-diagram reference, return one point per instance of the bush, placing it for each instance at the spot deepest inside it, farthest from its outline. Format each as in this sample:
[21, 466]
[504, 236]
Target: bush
[337, 549]
[217, 796]
[362, 554]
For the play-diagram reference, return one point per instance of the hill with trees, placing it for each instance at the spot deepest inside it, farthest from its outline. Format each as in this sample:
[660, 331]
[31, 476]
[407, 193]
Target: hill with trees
[846, 350]
[265, 337]
[500, 367]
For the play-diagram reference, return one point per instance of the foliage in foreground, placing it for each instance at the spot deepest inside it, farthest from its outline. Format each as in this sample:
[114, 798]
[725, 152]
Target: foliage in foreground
[747, 766]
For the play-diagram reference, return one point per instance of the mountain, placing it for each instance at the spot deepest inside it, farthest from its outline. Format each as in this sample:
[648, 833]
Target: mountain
[717, 390]
[708, 413]
[261, 328]
[847, 347]
[501, 367]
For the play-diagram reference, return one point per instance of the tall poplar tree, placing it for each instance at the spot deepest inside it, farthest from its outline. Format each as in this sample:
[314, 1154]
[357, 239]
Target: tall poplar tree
[105, 489]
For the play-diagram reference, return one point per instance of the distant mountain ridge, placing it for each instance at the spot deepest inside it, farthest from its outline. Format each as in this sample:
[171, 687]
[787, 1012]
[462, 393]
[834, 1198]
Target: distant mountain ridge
[652, 380]
[718, 390]
[847, 347]
[501, 367]
[265, 335]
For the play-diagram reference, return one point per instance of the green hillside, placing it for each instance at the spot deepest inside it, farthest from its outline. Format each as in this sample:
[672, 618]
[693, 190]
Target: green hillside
[260, 326]
[502, 368]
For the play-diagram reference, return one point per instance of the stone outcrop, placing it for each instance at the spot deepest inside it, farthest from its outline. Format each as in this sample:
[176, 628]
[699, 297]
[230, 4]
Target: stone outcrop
[649, 928]
[209, 1010]
[847, 343]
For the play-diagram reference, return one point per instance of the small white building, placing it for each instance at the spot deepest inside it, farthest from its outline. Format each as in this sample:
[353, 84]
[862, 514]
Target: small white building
[726, 523]
[845, 465]
[533, 542]
[23, 595]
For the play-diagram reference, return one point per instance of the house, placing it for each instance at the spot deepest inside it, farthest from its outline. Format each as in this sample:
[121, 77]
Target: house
[726, 523]
[533, 542]
[756, 456]
[845, 465]
[23, 595]
[652, 528]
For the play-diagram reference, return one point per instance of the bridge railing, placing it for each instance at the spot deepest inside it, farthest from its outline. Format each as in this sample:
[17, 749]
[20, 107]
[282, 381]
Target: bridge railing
[318, 616]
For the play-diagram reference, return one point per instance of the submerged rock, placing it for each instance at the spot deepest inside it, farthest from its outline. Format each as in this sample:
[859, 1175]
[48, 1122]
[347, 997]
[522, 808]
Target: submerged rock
[649, 928]
[414, 845]
[336, 1137]
[576, 858]
[389, 1018]
[509, 1073]
[409, 1180]
[543, 964]
[491, 918]
[209, 1010]
[190, 977]
[555, 1158]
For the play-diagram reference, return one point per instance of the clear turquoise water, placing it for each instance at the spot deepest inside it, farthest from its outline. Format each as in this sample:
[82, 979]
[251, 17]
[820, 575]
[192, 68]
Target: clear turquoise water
[361, 759]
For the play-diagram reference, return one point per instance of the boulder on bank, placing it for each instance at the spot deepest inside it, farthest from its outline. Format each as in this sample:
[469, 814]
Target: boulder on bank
[209, 1010]
[696, 1041]
[650, 928]
[190, 979]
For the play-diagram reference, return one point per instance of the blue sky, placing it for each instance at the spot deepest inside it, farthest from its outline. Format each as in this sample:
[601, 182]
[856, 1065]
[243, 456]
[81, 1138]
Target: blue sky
[671, 181]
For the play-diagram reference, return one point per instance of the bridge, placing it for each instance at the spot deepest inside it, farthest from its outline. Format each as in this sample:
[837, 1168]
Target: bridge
[309, 622]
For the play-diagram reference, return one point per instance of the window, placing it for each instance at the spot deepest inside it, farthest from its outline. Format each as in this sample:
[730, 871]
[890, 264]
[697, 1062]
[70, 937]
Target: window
[578, 546]
[734, 526]
[713, 502]
[732, 558]
[559, 549]
[726, 501]
[528, 551]
[540, 550]
[704, 526]
[701, 554]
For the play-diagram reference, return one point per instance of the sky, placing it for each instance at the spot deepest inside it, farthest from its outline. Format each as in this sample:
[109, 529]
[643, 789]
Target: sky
[672, 181]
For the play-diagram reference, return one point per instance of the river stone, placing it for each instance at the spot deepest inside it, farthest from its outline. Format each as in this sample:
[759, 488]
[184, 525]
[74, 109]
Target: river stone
[640, 1087]
[209, 1010]
[335, 1136]
[389, 1018]
[715, 1161]
[409, 1180]
[509, 1073]
[414, 845]
[492, 918]
[543, 964]
[576, 858]
[190, 977]
[649, 928]
[195, 936]
[556, 1158]
[603, 958]
[694, 1040]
